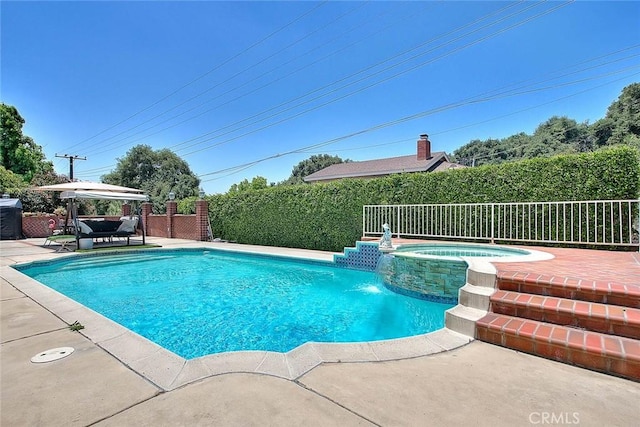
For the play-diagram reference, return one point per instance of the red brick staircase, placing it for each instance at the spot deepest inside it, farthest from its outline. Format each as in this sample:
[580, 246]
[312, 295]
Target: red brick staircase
[592, 324]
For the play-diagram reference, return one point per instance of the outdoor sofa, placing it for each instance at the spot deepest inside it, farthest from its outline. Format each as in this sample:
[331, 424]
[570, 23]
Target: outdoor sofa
[107, 229]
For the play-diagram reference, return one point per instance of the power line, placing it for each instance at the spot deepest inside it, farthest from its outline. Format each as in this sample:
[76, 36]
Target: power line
[238, 168]
[377, 30]
[502, 116]
[356, 91]
[501, 93]
[469, 101]
[354, 82]
[237, 55]
[220, 83]
[366, 147]
[507, 93]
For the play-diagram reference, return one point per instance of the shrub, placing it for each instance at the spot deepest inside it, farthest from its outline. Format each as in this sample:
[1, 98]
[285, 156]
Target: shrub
[329, 216]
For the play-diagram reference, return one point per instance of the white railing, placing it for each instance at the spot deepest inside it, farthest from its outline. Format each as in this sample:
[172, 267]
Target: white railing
[594, 222]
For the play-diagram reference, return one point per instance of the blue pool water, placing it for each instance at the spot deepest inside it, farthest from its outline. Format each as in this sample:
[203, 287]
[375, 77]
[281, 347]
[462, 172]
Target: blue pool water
[195, 303]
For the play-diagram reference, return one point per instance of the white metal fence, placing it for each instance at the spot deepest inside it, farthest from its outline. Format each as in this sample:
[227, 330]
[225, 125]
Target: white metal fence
[594, 222]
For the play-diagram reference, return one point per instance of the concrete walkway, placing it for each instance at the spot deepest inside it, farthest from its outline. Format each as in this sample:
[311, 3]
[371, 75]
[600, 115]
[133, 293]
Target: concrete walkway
[476, 384]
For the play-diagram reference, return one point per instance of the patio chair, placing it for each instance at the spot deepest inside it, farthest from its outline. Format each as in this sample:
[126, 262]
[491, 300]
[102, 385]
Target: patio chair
[63, 239]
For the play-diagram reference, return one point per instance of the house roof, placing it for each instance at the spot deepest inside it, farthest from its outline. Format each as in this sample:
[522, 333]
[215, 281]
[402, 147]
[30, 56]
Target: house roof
[438, 161]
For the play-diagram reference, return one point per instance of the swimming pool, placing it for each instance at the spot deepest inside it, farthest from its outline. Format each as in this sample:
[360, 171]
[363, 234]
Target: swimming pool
[199, 302]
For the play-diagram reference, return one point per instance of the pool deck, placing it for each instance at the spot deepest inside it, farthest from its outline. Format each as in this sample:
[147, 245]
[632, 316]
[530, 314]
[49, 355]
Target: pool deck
[436, 379]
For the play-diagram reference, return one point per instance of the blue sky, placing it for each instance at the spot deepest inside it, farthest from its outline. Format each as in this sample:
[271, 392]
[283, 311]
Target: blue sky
[241, 89]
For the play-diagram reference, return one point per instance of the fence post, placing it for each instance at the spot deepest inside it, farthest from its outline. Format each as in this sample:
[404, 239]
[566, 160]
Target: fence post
[146, 211]
[172, 209]
[638, 219]
[363, 220]
[202, 220]
[492, 222]
[399, 221]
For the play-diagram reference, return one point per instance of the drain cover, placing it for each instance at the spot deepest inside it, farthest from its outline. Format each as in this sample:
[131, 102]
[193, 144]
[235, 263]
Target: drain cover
[51, 355]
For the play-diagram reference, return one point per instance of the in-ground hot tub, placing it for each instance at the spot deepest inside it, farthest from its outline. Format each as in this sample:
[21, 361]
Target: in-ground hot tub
[436, 271]
[459, 250]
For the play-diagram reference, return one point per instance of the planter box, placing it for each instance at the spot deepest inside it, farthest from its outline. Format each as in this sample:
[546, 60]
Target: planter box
[85, 244]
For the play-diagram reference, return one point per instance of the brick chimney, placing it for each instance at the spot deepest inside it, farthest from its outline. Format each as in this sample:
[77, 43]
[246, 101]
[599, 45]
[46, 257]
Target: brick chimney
[424, 147]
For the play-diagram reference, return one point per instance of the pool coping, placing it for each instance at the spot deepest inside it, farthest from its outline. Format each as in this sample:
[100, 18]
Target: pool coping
[170, 371]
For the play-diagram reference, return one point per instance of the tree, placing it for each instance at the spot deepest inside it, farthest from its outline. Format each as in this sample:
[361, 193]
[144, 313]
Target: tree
[311, 165]
[19, 153]
[621, 124]
[157, 173]
[478, 152]
[562, 135]
[39, 201]
[10, 182]
[257, 183]
[558, 135]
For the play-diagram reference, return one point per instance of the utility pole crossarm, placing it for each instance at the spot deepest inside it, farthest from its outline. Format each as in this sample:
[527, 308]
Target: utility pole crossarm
[71, 159]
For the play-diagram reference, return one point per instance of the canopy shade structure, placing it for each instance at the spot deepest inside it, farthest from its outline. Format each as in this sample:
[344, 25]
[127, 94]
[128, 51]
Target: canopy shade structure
[72, 191]
[102, 195]
[88, 186]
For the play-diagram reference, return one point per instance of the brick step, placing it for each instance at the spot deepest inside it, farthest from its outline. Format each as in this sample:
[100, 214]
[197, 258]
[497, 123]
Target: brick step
[604, 318]
[592, 350]
[576, 289]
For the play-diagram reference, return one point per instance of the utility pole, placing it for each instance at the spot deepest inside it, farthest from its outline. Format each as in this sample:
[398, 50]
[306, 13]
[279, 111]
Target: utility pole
[69, 202]
[71, 159]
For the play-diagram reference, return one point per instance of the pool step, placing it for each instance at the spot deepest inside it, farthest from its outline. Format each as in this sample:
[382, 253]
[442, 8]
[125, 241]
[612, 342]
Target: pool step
[103, 258]
[478, 297]
[99, 262]
[473, 298]
[463, 319]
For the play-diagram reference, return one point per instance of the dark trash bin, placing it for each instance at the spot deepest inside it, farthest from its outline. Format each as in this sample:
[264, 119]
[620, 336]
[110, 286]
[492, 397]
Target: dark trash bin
[10, 219]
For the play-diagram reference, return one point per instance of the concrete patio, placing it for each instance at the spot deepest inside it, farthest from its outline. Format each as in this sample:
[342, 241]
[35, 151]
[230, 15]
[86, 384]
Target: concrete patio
[474, 384]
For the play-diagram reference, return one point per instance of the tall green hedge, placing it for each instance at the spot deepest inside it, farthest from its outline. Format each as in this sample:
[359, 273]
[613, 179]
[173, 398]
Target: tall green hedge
[329, 216]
